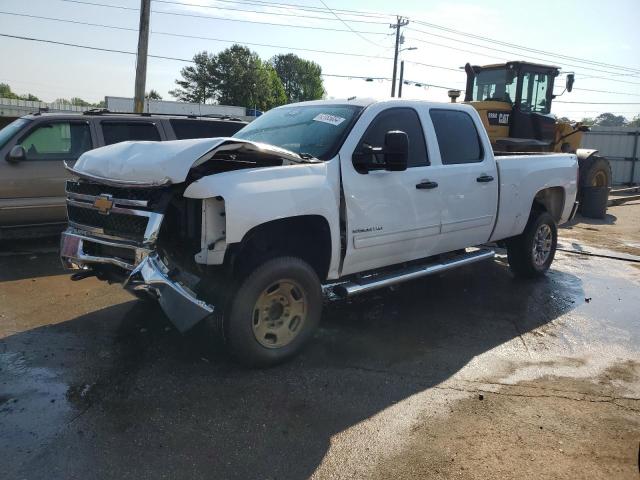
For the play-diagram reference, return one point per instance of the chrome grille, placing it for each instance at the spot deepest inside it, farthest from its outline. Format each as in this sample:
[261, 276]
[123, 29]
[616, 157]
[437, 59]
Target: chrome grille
[131, 227]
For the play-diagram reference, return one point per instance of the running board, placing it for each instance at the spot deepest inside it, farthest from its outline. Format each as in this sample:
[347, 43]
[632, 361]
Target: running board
[351, 288]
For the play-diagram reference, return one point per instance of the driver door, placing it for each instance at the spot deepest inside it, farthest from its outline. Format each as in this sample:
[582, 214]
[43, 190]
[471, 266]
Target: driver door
[391, 217]
[33, 190]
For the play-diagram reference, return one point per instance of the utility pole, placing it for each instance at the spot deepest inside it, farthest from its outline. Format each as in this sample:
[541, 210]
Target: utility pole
[401, 78]
[400, 22]
[143, 47]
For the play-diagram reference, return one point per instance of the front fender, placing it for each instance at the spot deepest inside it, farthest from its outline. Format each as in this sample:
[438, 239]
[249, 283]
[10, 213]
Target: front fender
[584, 153]
[256, 196]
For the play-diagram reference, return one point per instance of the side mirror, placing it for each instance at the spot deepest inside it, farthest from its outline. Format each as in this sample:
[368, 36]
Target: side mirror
[396, 150]
[17, 154]
[570, 79]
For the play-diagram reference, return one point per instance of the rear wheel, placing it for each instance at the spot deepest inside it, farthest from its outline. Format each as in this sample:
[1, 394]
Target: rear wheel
[274, 312]
[531, 253]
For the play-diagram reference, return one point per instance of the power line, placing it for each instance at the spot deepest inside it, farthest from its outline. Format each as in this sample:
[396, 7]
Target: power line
[607, 91]
[269, 45]
[522, 47]
[192, 15]
[406, 82]
[457, 70]
[349, 27]
[88, 47]
[199, 37]
[358, 13]
[289, 7]
[504, 51]
[217, 18]
[38, 17]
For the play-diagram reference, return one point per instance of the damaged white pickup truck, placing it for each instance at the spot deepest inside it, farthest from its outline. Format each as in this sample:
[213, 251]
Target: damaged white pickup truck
[311, 200]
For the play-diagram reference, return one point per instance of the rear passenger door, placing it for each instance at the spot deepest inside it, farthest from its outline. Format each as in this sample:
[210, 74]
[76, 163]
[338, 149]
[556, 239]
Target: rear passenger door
[467, 178]
[116, 131]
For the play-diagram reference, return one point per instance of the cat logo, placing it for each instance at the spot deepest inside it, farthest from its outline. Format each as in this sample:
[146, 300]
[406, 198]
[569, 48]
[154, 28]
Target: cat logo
[103, 203]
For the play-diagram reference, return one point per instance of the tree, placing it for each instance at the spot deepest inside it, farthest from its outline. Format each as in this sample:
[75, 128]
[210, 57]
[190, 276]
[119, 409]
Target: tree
[610, 120]
[635, 122]
[587, 121]
[301, 78]
[244, 80]
[78, 102]
[6, 92]
[199, 82]
[153, 95]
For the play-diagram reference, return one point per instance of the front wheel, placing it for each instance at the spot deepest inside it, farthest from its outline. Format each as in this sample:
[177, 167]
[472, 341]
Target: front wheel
[274, 312]
[531, 253]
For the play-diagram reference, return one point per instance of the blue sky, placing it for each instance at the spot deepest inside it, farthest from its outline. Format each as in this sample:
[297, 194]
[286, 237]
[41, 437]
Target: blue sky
[598, 31]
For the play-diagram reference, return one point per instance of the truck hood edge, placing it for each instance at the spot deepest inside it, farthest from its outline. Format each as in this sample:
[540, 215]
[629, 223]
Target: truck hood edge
[162, 163]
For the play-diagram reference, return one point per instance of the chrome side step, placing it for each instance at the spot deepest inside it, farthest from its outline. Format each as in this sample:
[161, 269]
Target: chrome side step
[351, 288]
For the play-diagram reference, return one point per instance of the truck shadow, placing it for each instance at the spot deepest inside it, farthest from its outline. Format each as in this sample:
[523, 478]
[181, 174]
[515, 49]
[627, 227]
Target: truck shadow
[158, 404]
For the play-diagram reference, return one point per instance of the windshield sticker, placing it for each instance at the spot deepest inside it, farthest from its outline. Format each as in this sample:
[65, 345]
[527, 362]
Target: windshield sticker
[327, 118]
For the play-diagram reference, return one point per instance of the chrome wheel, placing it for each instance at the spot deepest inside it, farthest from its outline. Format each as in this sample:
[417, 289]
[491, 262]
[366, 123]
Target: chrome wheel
[542, 242]
[279, 314]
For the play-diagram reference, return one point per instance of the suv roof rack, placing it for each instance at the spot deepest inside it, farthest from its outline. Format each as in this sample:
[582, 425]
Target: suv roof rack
[105, 111]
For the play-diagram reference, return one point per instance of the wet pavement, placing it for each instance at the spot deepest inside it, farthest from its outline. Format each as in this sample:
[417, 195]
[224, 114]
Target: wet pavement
[472, 374]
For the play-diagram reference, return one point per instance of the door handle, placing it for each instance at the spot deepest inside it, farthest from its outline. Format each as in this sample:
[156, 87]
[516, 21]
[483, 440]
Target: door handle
[426, 185]
[484, 179]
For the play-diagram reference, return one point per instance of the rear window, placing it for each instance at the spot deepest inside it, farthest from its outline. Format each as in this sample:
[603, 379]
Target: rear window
[457, 137]
[184, 128]
[116, 132]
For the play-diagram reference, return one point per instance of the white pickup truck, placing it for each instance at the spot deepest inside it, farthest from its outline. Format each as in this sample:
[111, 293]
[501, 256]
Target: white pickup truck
[323, 199]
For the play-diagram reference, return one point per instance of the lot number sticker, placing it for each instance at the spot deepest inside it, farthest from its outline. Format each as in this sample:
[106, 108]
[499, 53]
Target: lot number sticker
[327, 118]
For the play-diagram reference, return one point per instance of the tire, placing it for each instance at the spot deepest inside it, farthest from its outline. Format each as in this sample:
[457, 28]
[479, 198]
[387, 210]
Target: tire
[273, 313]
[523, 261]
[595, 171]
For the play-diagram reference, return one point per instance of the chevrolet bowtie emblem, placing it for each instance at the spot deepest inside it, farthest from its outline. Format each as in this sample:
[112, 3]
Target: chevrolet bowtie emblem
[104, 204]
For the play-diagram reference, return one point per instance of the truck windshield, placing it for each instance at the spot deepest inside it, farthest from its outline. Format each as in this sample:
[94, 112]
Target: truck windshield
[316, 130]
[494, 84]
[10, 130]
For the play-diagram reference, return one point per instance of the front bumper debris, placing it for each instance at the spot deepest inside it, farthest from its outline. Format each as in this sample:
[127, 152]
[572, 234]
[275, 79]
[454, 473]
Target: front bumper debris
[146, 272]
[177, 301]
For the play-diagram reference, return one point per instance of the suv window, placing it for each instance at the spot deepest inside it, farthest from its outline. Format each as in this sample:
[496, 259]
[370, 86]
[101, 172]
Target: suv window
[184, 128]
[57, 141]
[116, 132]
[458, 138]
[405, 120]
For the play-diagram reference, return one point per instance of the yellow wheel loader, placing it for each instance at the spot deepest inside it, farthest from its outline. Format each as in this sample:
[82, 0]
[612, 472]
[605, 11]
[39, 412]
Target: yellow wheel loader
[514, 102]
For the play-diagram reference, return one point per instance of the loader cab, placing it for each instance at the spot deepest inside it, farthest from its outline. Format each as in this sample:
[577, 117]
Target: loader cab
[514, 101]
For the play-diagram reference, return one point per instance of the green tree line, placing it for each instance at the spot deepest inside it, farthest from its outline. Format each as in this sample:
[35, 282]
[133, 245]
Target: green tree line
[238, 76]
[608, 120]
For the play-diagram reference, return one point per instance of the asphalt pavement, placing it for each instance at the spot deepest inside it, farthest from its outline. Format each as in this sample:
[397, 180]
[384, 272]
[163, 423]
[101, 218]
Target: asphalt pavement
[472, 374]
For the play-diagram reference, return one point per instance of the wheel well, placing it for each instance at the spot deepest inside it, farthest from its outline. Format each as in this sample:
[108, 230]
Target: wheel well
[307, 237]
[550, 200]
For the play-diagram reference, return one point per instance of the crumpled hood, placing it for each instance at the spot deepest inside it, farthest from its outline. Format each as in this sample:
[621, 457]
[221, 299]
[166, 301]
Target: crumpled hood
[160, 163]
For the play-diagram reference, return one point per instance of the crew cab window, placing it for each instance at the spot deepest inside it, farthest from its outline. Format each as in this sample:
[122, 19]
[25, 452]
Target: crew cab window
[116, 132]
[458, 138]
[204, 128]
[405, 120]
[57, 141]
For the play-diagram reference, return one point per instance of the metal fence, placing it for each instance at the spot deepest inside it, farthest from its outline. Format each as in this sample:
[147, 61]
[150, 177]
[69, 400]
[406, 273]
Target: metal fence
[620, 145]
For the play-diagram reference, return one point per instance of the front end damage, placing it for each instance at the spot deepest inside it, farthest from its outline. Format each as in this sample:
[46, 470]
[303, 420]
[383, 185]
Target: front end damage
[144, 234]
